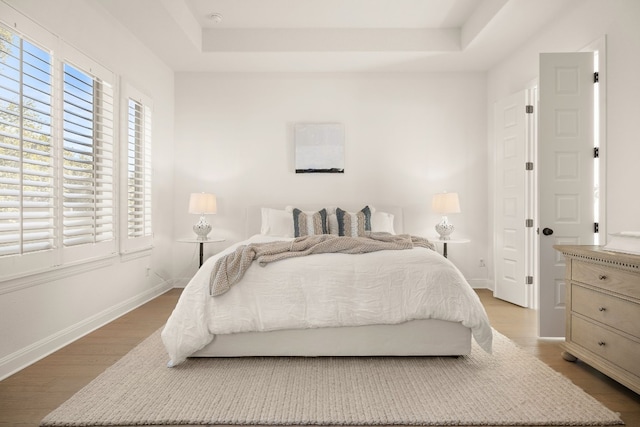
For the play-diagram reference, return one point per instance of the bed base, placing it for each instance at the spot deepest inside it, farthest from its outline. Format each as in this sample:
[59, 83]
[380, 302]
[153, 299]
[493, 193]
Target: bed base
[430, 337]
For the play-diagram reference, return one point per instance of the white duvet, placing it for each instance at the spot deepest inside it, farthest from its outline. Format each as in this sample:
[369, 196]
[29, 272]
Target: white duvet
[325, 290]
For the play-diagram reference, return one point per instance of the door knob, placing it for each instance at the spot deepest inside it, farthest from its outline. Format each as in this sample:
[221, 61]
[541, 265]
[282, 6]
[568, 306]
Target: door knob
[547, 231]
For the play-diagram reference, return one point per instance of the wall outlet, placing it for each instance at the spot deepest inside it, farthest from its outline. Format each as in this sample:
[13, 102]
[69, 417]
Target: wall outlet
[148, 270]
[482, 264]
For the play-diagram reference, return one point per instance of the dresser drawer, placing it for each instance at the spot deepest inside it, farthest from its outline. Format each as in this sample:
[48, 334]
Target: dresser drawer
[623, 282]
[618, 313]
[606, 344]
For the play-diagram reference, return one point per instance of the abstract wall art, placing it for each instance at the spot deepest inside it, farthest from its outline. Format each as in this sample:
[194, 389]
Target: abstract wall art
[319, 147]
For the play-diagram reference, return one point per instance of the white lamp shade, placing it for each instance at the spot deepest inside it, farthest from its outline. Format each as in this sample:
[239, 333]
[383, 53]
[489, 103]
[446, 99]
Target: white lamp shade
[445, 203]
[202, 203]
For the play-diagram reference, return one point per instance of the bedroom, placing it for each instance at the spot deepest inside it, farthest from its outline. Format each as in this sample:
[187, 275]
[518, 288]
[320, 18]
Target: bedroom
[434, 136]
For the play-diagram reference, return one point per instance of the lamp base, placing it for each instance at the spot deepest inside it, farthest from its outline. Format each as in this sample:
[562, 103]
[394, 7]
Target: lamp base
[444, 228]
[202, 228]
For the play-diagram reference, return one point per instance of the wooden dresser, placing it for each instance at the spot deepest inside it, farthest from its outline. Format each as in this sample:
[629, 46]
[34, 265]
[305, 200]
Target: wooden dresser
[603, 311]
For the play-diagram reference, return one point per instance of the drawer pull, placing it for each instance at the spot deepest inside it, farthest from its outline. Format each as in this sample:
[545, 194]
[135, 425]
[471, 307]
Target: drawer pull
[602, 277]
[601, 343]
[602, 308]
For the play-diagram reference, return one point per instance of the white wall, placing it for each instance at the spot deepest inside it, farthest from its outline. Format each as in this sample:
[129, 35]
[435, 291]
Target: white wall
[42, 312]
[408, 136]
[590, 20]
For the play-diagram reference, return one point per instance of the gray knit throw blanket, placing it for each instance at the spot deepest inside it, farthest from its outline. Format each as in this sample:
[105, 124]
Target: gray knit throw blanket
[230, 268]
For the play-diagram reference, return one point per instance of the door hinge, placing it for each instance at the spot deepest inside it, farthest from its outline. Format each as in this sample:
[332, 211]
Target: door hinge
[528, 166]
[528, 109]
[529, 280]
[596, 152]
[528, 223]
[596, 227]
[596, 77]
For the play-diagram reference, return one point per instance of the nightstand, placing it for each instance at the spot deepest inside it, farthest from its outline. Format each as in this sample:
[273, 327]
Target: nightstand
[202, 243]
[446, 242]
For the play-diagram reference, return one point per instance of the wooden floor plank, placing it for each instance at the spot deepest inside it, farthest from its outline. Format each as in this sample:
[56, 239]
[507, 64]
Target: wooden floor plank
[29, 395]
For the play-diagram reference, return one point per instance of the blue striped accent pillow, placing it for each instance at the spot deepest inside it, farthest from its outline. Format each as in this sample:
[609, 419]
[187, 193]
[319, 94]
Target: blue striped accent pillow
[309, 224]
[354, 224]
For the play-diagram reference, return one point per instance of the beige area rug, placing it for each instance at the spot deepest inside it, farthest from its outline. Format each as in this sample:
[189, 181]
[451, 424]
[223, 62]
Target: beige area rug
[510, 387]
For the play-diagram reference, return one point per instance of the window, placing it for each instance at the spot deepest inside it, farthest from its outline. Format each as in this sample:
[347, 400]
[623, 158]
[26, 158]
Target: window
[56, 156]
[139, 171]
[87, 153]
[27, 199]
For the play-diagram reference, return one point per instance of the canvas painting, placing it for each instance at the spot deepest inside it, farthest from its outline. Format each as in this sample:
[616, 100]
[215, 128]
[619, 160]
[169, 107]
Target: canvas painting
[319, 147]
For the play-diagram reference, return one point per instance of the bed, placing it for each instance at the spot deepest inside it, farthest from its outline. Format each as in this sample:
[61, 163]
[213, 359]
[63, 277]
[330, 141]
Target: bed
[381, 303]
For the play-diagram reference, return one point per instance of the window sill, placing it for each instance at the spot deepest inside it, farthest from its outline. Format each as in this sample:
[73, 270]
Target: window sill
[132, 254]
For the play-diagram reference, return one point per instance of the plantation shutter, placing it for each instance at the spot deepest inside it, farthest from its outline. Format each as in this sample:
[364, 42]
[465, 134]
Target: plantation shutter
[88, 158]
[139, 170]
[135, 201]
[27, 191]
[56, 152]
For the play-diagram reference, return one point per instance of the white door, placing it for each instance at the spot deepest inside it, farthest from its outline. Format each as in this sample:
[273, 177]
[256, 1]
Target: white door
[514, 238]
[565, 174]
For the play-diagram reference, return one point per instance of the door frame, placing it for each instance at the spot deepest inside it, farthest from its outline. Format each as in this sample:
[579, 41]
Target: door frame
[533, 259]
[599, 47]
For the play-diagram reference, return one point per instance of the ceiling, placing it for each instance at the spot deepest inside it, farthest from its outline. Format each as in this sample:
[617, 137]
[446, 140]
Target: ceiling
[334, 35]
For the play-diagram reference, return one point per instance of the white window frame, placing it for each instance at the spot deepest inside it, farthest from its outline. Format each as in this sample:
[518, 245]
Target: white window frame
[101, 246]
[24, 264]
[15, 265]
[143, 238]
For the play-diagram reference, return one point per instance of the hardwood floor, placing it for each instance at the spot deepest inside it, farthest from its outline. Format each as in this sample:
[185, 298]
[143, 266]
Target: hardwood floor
[29, 395]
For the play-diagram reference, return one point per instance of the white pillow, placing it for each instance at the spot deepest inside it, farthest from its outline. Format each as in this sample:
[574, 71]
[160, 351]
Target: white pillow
[276, 223]
[382, 222]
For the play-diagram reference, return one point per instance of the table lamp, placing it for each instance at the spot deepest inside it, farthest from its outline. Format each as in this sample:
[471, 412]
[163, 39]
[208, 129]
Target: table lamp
[202, 204]
[445, 203]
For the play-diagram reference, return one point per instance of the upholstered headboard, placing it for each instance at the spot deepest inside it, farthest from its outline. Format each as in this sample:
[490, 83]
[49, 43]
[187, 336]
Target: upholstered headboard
[254, 214]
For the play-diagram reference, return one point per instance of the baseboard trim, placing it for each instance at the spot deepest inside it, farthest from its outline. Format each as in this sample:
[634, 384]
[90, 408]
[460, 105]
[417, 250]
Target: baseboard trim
[26, 356]
[480, 283]
[181, 282]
